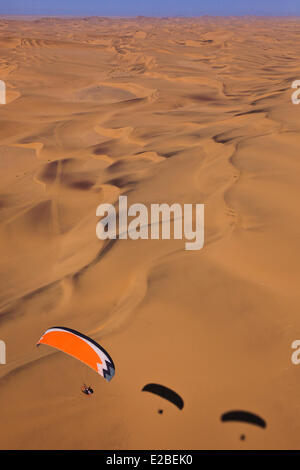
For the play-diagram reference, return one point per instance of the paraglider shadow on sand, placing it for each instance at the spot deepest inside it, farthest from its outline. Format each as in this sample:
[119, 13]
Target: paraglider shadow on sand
[243, 417]
[165, 393]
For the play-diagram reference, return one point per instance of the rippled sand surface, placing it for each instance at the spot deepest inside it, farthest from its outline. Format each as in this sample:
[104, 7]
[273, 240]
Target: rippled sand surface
[161, 110]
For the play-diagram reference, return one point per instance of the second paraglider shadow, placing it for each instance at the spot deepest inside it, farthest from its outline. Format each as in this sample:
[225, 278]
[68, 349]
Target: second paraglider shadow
[243, 417]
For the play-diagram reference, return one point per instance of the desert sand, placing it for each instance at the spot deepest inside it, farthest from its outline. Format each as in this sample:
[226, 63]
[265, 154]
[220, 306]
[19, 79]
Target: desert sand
[161, 110]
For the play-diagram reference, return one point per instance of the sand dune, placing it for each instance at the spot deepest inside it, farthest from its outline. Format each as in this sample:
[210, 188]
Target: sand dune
[161, 110]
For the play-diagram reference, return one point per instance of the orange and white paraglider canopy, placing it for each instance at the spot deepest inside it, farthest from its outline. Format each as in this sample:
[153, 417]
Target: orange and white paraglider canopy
[81, 347]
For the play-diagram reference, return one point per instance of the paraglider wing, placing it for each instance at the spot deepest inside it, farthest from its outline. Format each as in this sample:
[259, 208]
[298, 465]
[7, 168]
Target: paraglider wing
[81, 347]
[166, 393]
[244, 416]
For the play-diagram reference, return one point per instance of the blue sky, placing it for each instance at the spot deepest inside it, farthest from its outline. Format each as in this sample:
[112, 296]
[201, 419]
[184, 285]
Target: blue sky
[149, 7]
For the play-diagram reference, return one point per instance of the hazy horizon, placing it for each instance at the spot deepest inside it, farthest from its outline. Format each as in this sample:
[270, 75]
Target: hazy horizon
[155, 8]
[21, 15]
